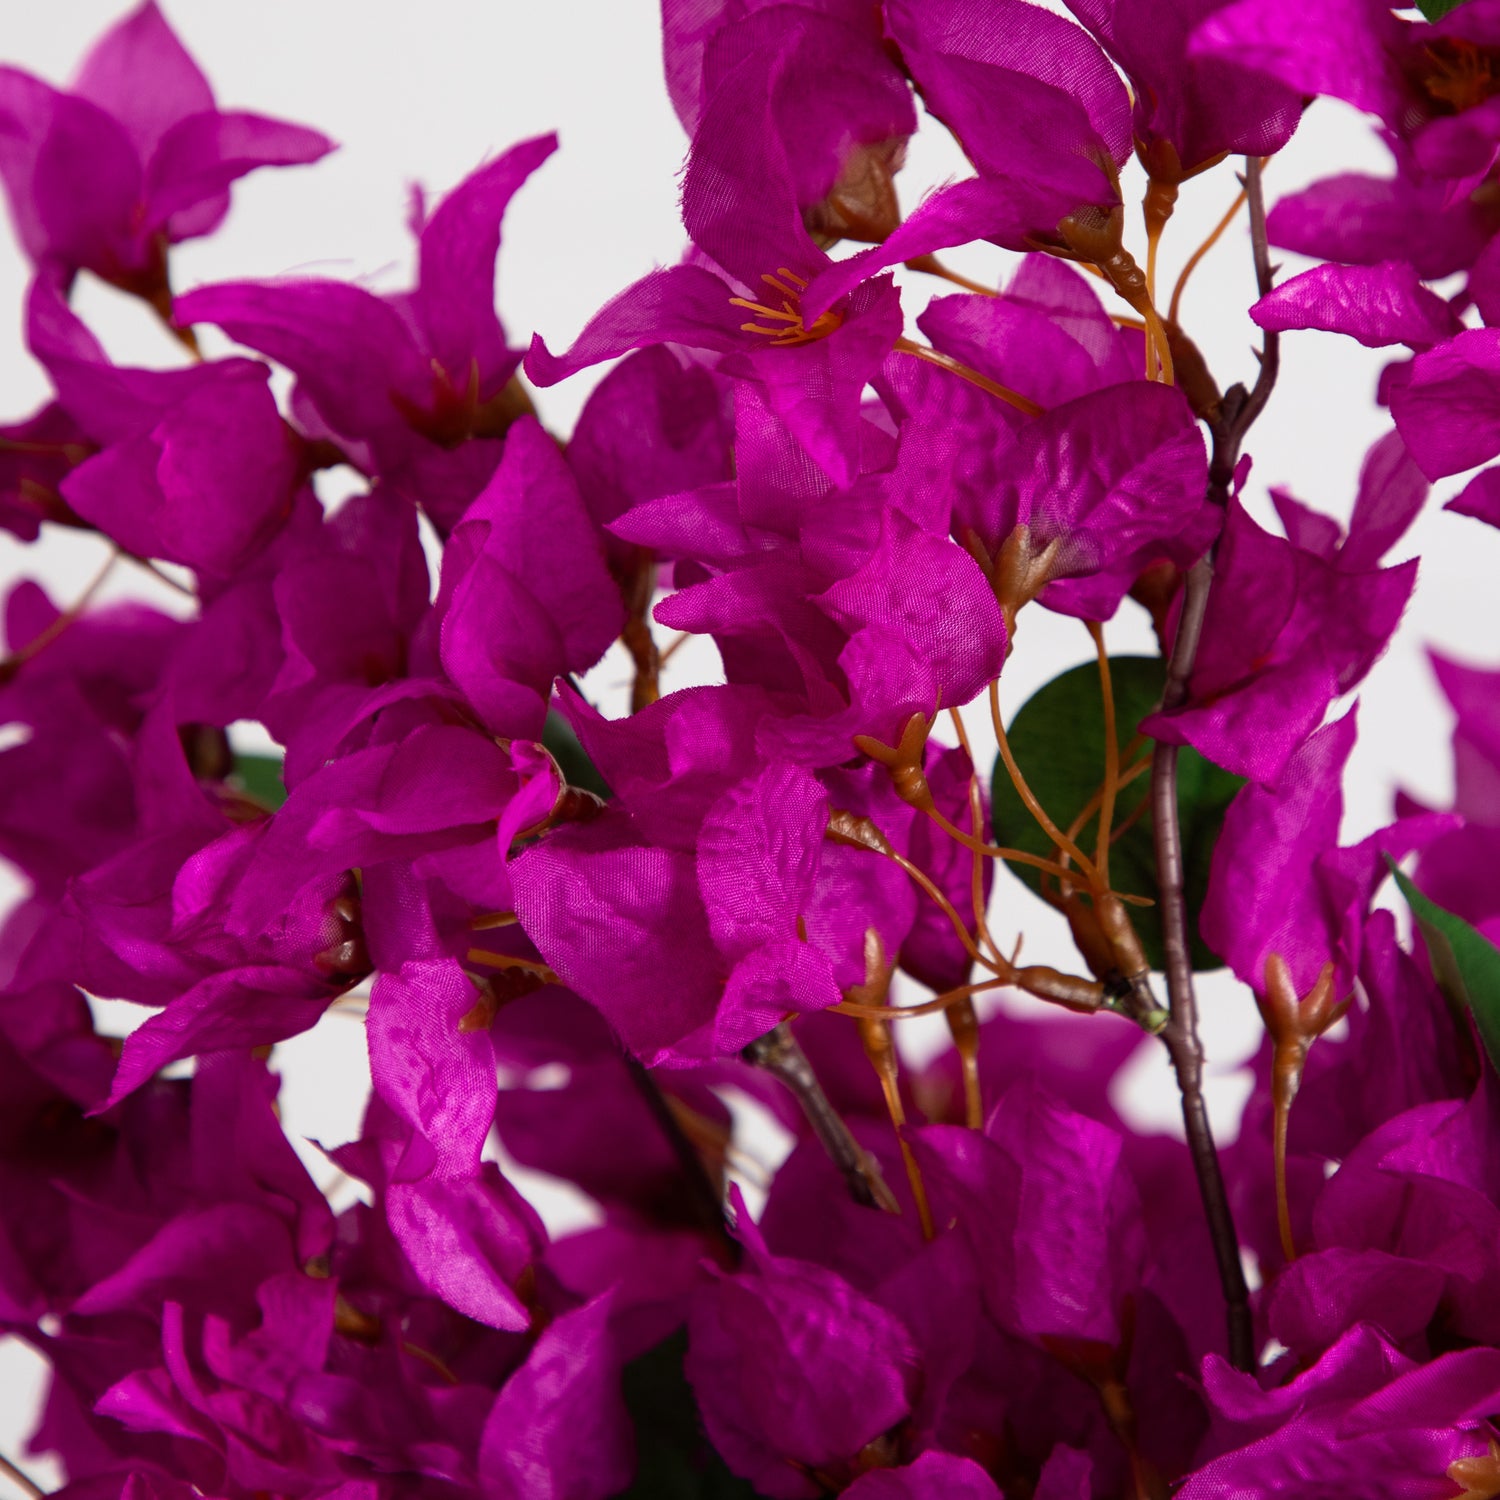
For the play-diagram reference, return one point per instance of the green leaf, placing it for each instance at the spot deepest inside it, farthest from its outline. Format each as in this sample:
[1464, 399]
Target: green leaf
[1465, 963]
[558, 737]
[675, 1460]
[1058, 742]
[260, 776]
[1435, 10]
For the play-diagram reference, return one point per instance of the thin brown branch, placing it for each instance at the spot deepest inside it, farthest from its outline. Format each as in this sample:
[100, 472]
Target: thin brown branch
[779, 1053]
[1198, 254]
[21, 1478]
[976, 826]
[1060, 840]
[1227, 429]
[1260, 249]
[960, 931]
[1184, 1045]
[926, 1007]
[1111, 755]
[160, 574]
[995, 851]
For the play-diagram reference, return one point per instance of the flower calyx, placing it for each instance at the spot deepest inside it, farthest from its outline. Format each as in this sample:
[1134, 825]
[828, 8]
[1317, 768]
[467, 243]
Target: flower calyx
[1097, 235]
[904, 760]
[346, 959]
[1070, 991]
[1294, 1023]
[861, 205]
[572, 804]
[511, 978]
[879, 1044]
[456, 414]
[1479, 1476]
[1454, 74]
[1165, 169]
[1018, 572]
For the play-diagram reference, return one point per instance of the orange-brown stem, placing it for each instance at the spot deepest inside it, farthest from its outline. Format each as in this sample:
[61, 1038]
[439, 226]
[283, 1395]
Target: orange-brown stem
[861, 1011]
[1111, 756]
[996, 851]
[880, 1048]
[976, 823]
[1028, 798]
[963, 1027]
[964, 372]
[949, 911]
[1130, 774]
[930, 265]
[1287, 1074]
[1192, 263]
[847, 828]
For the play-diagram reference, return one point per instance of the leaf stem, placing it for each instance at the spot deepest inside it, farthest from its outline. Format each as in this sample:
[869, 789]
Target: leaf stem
[948, 910]
[1281, 1112]
[976, 823]
[996, 851]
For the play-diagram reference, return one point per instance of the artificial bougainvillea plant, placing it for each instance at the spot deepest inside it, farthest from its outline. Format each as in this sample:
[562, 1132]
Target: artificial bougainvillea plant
[574, 932]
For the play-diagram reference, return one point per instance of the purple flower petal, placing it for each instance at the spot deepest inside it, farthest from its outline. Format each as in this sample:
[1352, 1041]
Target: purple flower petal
[1449, 410]
[189, 173]
[454, 299]
[559, 1429]
[934, 1476]
[1377, 305]
[141, 47]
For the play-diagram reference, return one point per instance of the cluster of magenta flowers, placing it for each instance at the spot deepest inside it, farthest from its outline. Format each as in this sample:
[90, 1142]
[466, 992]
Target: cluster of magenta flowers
[576, 935]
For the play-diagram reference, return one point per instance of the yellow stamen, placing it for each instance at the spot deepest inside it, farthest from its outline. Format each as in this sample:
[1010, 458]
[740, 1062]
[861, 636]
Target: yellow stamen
[793, 330]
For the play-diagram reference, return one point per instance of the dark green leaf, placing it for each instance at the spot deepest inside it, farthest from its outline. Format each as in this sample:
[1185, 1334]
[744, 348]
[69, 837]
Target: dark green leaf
[1435, 10]
[260, 776]
[558, 737]
[675, 1460]
[1465, 963]
[1058, 742]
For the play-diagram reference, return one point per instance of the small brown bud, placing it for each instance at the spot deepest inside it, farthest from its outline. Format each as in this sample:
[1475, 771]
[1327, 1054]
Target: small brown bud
[852, 828]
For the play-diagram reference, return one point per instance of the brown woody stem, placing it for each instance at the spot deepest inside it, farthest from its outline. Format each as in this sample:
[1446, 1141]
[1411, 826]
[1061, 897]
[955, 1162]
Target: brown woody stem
[779, 1054]
[1227, 430]
[21, 1478]
[1181, 1033]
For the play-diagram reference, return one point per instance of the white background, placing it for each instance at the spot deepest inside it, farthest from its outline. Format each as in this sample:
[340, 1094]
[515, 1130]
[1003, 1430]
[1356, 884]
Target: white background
[426, 93]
